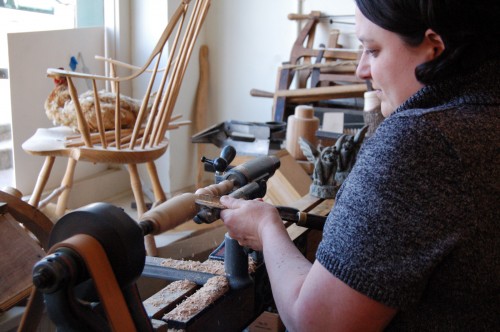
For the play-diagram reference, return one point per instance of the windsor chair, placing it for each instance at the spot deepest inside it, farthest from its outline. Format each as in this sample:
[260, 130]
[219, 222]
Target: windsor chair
[146, 141]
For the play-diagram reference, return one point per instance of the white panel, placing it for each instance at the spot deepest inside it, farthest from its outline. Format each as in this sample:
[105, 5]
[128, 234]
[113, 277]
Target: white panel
[30, 54]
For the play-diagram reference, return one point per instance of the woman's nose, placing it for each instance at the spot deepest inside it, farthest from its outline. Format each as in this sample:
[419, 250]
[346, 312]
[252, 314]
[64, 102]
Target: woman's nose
[363, 69]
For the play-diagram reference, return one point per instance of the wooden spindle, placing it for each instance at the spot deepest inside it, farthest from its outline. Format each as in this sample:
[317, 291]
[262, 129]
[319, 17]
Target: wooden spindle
[98, 115]
[82, 123]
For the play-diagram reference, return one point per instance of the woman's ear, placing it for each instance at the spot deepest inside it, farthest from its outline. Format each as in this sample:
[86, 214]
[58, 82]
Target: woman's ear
[435, 41]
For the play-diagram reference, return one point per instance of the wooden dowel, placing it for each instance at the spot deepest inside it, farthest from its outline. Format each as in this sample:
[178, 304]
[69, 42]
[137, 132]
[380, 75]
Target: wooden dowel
[261, 93]
[297, 17]
[170, 95]
[176, 117]
[112, 73]
[76, 142]
[54, 194]
[118, 120]
[340, 65]
[153, 122]
[176, 125]
[107, 133]
[156, 124]
[82, 123]
[144, 105]
[329, 92]
[98, 114]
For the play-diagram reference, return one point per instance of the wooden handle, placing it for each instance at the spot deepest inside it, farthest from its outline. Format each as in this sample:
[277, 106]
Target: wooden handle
[171, 213]
[296, 17]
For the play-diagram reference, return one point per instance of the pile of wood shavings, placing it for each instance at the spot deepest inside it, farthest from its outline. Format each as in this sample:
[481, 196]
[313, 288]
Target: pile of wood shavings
[161, 297]
[209, 266]
[214, 288]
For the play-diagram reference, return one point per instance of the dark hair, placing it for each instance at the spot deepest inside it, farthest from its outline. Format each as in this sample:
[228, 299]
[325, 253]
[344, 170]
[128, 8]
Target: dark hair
[470, 30]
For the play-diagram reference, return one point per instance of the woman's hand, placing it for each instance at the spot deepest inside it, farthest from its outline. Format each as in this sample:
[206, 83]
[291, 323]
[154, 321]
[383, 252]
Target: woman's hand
[246, 220]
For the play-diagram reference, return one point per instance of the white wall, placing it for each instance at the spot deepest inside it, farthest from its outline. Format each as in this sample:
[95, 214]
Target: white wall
[248, 40]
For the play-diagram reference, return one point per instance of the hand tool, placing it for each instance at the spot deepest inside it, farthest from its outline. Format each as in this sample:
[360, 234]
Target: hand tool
[212, 206]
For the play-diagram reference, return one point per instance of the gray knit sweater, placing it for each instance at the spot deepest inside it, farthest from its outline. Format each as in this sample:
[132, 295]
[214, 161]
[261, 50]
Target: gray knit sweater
[417, 224]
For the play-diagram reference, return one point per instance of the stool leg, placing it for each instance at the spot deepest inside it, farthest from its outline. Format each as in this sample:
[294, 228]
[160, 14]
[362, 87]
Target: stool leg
[135, 182]
[67, 183]
[42, 181]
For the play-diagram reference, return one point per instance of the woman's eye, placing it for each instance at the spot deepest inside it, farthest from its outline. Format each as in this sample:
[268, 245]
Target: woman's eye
[371, 52]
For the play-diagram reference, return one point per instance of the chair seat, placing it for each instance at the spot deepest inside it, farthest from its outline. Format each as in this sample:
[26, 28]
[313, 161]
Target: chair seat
[53, 142]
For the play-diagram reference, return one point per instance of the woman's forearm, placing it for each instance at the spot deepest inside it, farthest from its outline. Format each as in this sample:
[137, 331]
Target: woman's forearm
[287, 268]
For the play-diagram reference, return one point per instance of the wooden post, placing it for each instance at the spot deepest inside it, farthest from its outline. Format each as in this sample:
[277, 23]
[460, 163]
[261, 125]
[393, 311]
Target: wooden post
[201, 109]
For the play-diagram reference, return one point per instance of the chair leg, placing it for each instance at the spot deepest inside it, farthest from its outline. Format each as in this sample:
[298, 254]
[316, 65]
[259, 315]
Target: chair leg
[67, 184]
[135, 182]
[155, 181]
[41, 181]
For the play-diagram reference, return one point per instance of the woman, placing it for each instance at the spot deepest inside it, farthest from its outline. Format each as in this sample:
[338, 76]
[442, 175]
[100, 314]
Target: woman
[412, 242]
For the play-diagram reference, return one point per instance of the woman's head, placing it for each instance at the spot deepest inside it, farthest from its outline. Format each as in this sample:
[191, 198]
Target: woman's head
[411, 43]
[469, 29]
[389, 62]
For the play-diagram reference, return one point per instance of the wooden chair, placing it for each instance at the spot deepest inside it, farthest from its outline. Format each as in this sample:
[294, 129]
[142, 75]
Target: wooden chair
[144, 143]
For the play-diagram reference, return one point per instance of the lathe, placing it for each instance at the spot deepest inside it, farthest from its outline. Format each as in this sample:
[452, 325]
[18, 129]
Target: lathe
[88, 281]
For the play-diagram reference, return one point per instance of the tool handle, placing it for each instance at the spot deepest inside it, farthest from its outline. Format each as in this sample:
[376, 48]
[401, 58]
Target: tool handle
[208, 213]
[300, 218]
[228, 153]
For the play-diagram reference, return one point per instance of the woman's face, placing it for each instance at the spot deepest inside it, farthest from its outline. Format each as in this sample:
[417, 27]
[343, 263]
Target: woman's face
[389, 63]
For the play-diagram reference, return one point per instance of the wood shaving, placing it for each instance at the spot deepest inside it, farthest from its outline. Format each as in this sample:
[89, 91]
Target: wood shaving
[209, 266]
[163, 296]
[213, 289]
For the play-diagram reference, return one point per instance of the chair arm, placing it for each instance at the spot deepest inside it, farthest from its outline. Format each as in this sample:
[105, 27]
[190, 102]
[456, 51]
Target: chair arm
[56, 72]
[124, 64]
